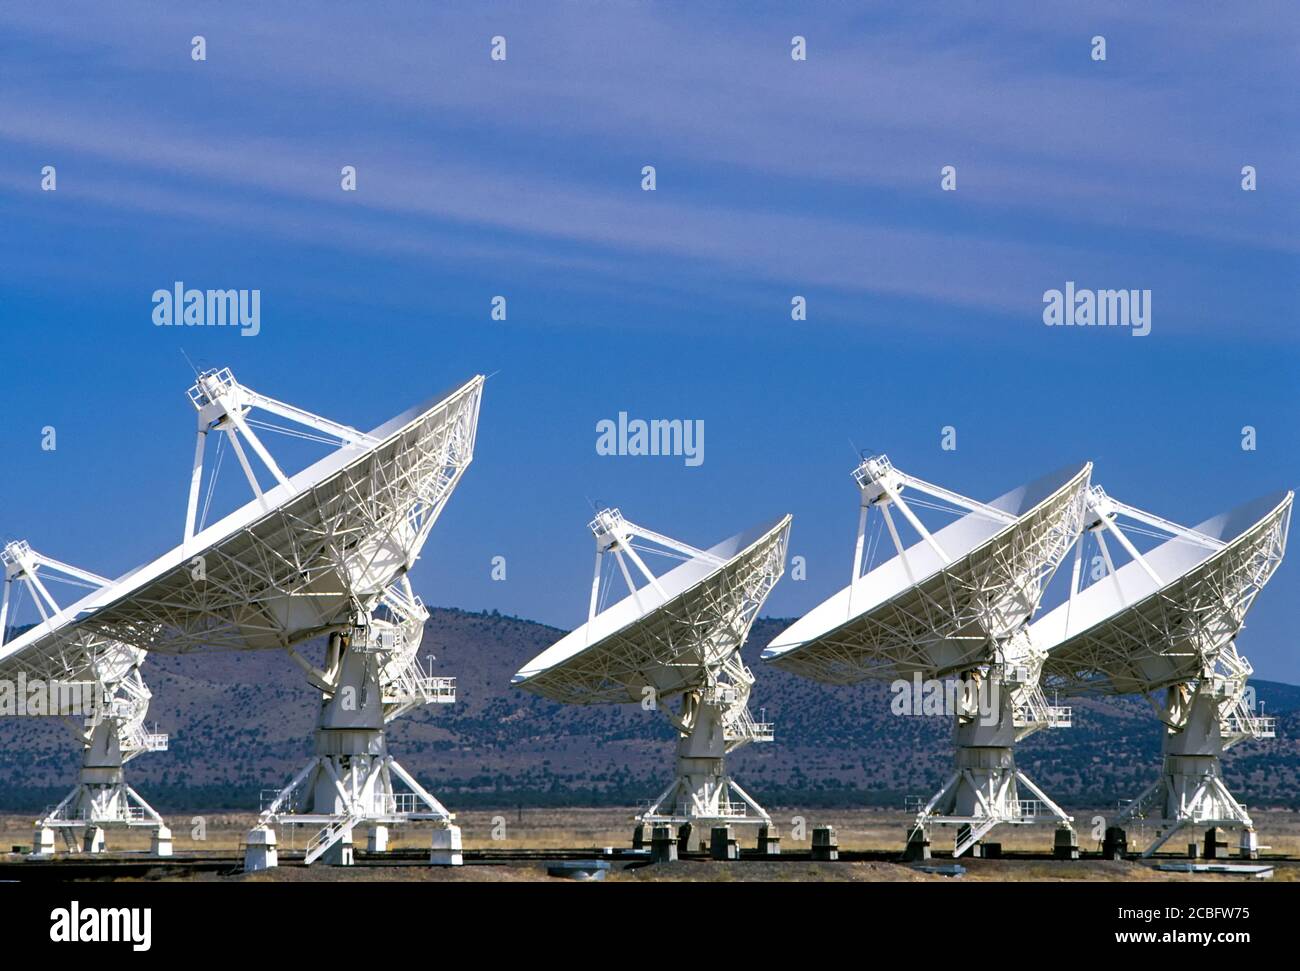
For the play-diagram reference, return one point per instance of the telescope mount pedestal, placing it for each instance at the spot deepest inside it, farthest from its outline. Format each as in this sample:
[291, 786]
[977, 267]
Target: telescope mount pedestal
[370, 677]
[713, 721]
[983, 790]
[102, 800]
[1202, 720]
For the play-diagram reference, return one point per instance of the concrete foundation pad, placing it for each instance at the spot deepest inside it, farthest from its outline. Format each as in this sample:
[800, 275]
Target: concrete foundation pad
[445, 847]
[260, 850]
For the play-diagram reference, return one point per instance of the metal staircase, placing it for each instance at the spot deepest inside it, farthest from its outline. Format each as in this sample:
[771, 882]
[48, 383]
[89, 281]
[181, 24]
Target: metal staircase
[326, 838]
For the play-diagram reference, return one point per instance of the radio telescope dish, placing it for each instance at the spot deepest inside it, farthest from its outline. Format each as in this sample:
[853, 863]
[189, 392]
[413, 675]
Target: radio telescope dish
[324, 552]
[674, 636]
[1167, 620]
[95, 684]
[955, 603]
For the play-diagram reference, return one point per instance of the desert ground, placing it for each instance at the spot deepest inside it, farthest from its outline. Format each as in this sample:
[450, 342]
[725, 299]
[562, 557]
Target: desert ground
[514, 845]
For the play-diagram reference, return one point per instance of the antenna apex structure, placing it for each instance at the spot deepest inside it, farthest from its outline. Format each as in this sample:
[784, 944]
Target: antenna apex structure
[877, 478]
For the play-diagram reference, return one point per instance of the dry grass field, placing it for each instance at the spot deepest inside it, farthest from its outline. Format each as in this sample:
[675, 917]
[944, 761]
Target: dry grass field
[583, 830]
[753, 871]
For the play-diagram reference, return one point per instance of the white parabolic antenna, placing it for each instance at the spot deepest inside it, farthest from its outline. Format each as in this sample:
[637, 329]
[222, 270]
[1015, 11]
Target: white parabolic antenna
[1167, 621]
[675, 636]
[95, 684]
[955, 603]
[323, 552]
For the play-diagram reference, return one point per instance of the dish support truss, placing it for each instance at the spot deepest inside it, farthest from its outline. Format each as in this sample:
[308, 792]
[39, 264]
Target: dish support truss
[372, 673]
[104, 702]
[1205, 716]
[986, 788]
[713, 717]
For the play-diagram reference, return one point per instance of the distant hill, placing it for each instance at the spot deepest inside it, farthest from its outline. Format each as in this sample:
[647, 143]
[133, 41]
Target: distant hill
[240, 723]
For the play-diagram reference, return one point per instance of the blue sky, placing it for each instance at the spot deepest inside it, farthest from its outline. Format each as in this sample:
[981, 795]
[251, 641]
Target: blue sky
[775, 178]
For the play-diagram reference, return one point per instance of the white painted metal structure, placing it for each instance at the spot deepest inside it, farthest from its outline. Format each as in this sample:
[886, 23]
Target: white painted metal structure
[1166, 622]
[956, 603]
[95, 684]
[678, 634]
[324, 552]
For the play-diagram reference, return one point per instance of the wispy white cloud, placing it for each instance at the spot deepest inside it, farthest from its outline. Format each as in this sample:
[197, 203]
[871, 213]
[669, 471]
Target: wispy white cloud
[1048, 155]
